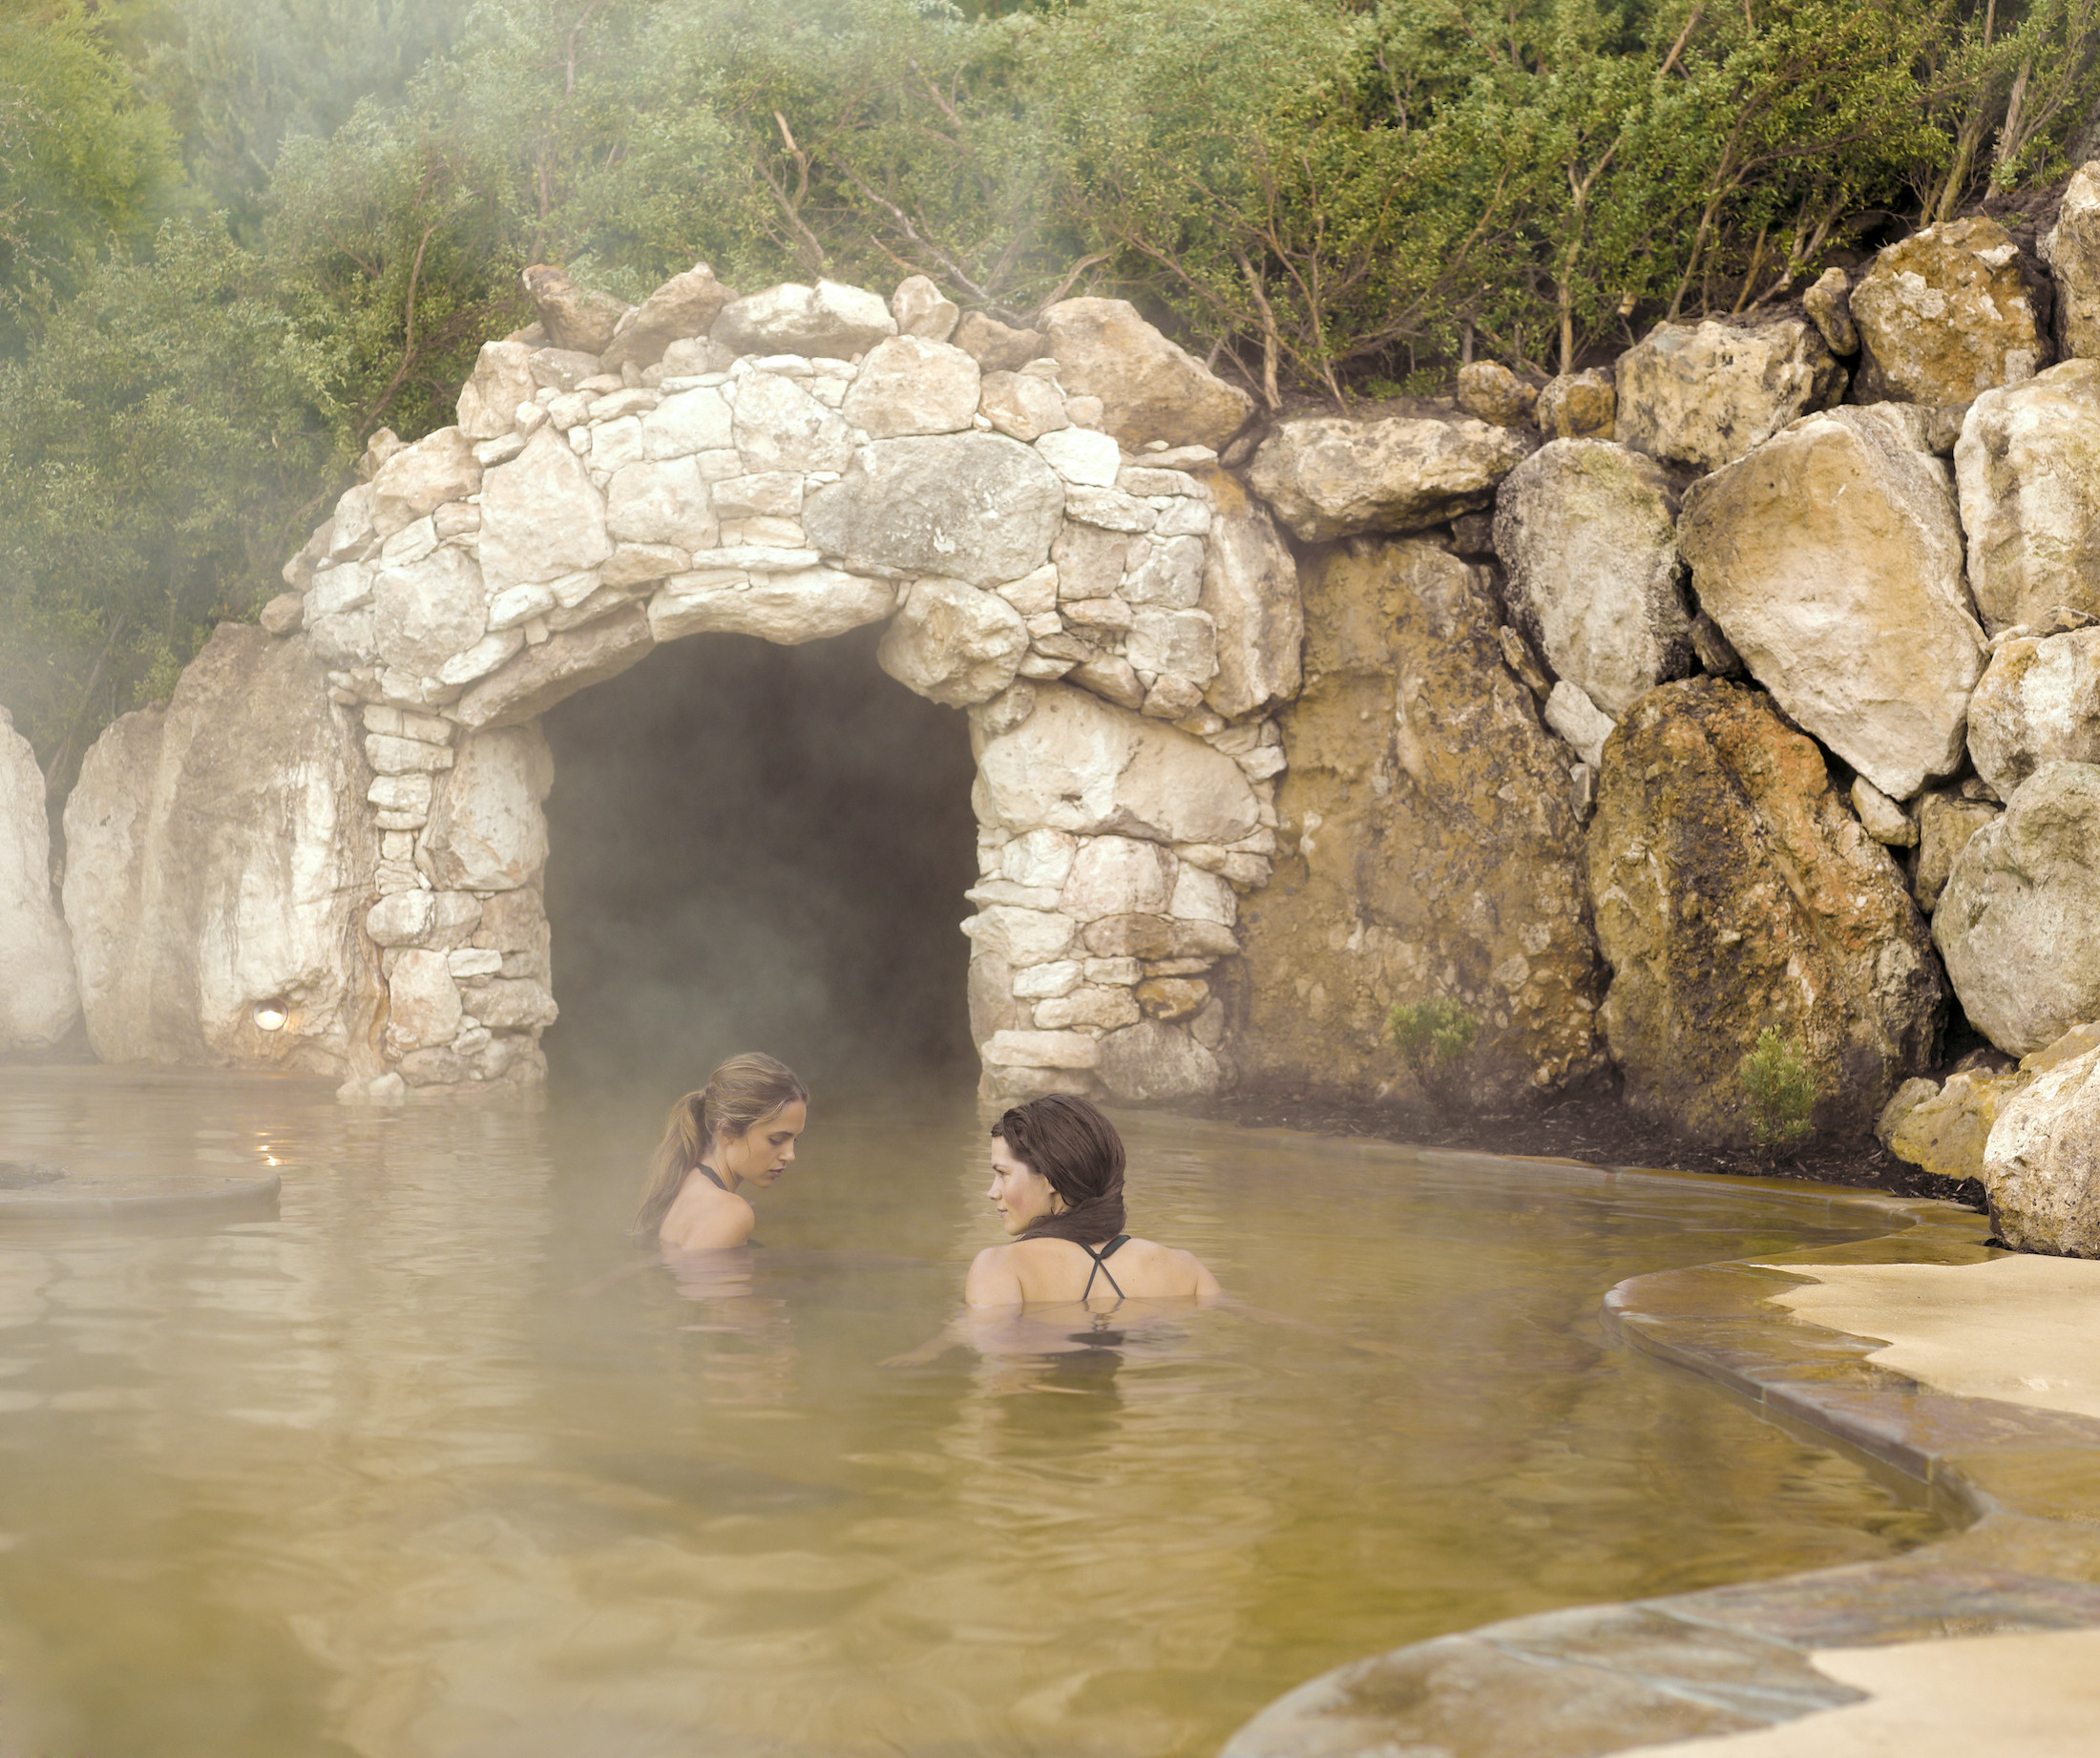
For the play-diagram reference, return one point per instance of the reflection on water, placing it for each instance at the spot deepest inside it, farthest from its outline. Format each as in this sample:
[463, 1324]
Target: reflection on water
[435, 1463]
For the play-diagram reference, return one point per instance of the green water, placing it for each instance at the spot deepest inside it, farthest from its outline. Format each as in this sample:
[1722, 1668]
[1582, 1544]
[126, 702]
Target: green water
[431, 1463]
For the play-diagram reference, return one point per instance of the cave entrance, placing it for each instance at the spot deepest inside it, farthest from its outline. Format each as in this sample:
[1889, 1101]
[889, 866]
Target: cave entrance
[757, 847]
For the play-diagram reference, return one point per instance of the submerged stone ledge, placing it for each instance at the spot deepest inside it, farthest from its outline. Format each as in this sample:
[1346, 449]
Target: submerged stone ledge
[1593, 1680]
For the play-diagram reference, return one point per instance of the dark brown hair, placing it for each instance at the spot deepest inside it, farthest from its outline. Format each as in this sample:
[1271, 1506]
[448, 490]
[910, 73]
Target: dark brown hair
[745, 1091]
[1066, 1141]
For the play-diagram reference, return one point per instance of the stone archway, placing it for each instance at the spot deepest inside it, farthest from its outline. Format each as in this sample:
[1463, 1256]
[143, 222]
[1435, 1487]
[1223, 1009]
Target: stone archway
[1117, 623]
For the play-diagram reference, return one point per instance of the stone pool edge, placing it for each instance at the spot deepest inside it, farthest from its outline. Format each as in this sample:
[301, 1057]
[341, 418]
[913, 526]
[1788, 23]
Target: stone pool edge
[1594, 1679]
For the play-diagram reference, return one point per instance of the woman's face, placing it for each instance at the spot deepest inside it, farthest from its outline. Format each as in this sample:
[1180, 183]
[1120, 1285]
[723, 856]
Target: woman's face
[1020, 1195]
[763, 1152]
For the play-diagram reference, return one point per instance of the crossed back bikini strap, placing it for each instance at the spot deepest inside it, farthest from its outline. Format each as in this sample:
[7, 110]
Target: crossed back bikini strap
[709, 1173]
[1101, 1259]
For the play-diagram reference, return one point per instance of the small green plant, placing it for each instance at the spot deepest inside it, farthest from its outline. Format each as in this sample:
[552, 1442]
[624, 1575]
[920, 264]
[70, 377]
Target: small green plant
[1779, 1091]
[1433, 1038]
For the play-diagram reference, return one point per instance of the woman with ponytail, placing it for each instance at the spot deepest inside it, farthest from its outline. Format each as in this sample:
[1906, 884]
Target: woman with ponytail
[739, 1129]
[1056, 1182]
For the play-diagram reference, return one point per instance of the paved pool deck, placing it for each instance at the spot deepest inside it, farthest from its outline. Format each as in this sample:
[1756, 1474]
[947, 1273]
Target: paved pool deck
[1972, 1372]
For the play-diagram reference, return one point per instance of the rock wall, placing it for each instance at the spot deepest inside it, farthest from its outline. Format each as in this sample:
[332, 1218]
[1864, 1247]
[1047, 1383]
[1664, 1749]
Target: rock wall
[39, 1003]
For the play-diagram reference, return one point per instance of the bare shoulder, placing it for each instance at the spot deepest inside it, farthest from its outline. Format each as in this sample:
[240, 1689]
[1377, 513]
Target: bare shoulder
[1174, 1270]
[994, 1278]
[708, 1219]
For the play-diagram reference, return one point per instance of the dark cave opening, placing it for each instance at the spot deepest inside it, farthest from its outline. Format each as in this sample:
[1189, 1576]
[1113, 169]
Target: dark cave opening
[758, 847]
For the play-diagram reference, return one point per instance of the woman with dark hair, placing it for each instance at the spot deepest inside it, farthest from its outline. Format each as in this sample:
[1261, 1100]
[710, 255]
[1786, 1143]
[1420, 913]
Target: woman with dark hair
[739, 1129]
[1056, 1181]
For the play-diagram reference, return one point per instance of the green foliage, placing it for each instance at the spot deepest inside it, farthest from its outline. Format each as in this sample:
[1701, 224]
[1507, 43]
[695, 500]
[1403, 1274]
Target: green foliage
[1780, 1091]
[1434, 1038]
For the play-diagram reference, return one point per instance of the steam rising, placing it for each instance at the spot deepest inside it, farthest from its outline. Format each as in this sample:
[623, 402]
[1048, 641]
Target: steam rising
[758, 847]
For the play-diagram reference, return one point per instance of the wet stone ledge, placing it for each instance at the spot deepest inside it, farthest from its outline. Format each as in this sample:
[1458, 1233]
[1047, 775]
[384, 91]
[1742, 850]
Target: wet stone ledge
[2024, 1484]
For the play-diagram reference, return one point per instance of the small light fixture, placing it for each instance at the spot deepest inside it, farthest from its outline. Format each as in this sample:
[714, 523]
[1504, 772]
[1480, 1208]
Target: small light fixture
[270, 1016]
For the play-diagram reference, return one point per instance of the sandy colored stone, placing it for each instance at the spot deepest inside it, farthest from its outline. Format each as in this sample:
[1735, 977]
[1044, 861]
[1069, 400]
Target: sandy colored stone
[779, 426]
[1489, 390]
[1579, 720]
[996, 347]
[1945, 316]
[1586, 531]
[683, 308]
[220, 854]
[1733, 892]
[1150, 388]
[954, 643]
[487, 831]
[1828, 301]
[1334, 476]
[418, 479]
[1428, 847]
[2027, 465]
[502, 380]
[2038, 702]
[2041, 1167]
[1946, 822]
[1708, 393]
[423, 616]
[541, 517]
[827, 319]
[1946, 1134]
[1250, 593]
[2071, 249]
[1578, 406]
[790, 607]
[422, 1001]
[908, 384]
[1154, 1062]
[557, 668]
[575, 317]
[922, 309]
[2019, 922]
[1831, 559]
[40, 1000]
[1023, 405]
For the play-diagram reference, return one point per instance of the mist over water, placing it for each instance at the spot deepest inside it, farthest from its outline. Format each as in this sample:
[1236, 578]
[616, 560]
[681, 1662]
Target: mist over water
[758, 847]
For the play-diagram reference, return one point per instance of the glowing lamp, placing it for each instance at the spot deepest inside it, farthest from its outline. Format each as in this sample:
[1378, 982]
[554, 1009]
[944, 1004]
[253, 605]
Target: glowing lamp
[270, 1016]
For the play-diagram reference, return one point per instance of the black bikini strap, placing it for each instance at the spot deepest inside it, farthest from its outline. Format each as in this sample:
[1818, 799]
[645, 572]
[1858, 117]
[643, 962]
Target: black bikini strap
[1101, 1263]
[709, 1173]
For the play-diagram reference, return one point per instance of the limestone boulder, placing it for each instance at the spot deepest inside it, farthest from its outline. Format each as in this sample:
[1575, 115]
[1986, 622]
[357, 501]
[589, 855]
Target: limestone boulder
[1946, 822]
[1250, 593]
[220, 854]
[487, 831]
[828, 320]
[954, 643]
[502, 380]
[420, 478]
[975, 507]
[539, 677]
[684, 306]
[1578, 406]
[1149, 388]
[1155, 1062]
[541, 517]
[1023, 404]
[1946, 1134]
[425, 615]
[2027, 465]
[660, 501]
[1579, 720]
[803, 604]
[1488, 390]
[1334, 476]
[2038, 702]
[40, 1000]
[688, 422]
[575, 317]
[1077, 764]
[1945, 316]
[1708, 393]
[996, 347]
[1735, 893]
[1828, 302]
[1831, 558]
[1586, 531]
[2019, 922]
[781, 427]
[922, 309]
[1427, 844]
[2042, 1163]
[2071, 249]
[908, 384]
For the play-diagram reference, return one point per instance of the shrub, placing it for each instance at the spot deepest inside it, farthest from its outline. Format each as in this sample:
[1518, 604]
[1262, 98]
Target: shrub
[1433, 1037]
[1779, 1091]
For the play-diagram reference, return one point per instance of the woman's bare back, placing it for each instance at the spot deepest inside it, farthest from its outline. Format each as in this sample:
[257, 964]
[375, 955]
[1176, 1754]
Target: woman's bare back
[1033, 1271]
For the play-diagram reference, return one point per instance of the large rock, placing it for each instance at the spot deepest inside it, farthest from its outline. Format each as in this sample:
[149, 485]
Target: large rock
[1077, 764]
[1831, 559]
[781, 427]
[1150, 388]
[423, 615]
[1945, 1133]
[2039, 702]
[1945, 316]
[575, 317]
[541, 517]
[2019, 922]
[2028, 468]
[685, 306]
[805, 604]
[1946, 822]
[487, 831]
[660, 501]
[220, 854]
[978, 507]
[954, 643]
[1152, 1061]
[1251, 593]
[420, 478]
[1333, 476]
[829, 320]
[502, 380]
[1429, 846]
[40, 1000]
[559, 666]
[2073, 251]
[1734, 891]
[1578, 406]
[1706, 394]
[1588, 534]
[2042, 1163]
[908, 385]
